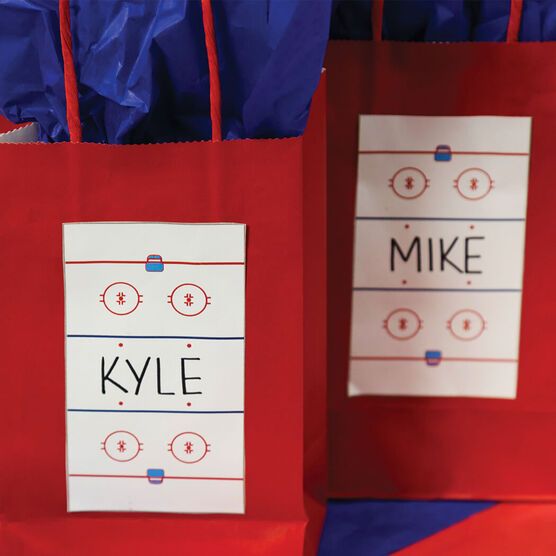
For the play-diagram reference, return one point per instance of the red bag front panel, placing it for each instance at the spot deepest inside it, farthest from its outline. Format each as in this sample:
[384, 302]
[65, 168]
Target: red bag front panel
[6, 125]
[392, 447]
[266, 184]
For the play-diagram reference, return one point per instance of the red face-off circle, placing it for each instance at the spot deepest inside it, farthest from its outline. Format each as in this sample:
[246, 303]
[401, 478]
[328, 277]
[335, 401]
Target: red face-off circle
[121, 446]
[409, 183]
[189, 447]
[121, 298]
[189, 300]
[402, 324]
[474, 184]
[467, 324]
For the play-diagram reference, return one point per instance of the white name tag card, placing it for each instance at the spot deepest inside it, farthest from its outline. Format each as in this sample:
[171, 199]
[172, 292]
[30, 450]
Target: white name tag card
[439, 248]
[155, 367]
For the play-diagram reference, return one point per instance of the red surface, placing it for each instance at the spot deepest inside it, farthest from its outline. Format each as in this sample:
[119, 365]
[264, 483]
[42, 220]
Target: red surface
[6, 125]
[277, 188]
[508, 529]
[439, 447]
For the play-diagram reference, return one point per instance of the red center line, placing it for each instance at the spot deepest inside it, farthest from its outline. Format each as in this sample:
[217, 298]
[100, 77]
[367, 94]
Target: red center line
[474, 153]
[165, 262]
[456, 359]
[166, 477]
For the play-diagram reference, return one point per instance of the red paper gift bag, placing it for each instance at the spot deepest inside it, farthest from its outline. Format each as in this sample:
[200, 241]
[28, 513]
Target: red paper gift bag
[275, 187]
[427, 447]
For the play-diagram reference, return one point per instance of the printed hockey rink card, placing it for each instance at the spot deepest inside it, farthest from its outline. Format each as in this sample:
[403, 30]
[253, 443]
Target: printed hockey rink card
[155, 367]
[439, 250]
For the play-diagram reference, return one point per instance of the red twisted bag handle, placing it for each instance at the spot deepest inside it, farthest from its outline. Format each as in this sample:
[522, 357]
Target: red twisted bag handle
[377, 13]
[70, 79]
[514, 22]
[214, 71]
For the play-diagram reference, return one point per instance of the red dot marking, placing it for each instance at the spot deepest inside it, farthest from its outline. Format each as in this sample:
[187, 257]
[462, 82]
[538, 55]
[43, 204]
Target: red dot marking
[404, 281]
[468, 282]
[120, 403]
[188, 404]
[188, 345]
[120, 345]
[406, 226]
[472, 227]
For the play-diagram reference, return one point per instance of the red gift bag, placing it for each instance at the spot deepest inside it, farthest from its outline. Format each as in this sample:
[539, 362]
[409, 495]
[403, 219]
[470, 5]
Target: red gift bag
[277, 188]
[425, 447]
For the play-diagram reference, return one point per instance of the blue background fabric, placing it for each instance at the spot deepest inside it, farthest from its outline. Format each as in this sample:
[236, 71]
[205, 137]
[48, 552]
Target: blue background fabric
[142, 67]
[31, 77]
[538, 20]
[378, 528]
[444, 20]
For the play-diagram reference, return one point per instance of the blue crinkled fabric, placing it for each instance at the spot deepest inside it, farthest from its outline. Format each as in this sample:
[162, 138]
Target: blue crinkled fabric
[142, 67]
[31, 77]
[538, 21]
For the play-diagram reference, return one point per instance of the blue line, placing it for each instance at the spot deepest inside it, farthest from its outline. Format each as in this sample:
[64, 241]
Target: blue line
[158, 337]
[439, 219]
[144, 411]
[467, 290]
